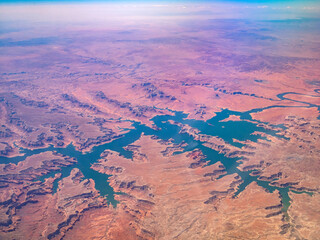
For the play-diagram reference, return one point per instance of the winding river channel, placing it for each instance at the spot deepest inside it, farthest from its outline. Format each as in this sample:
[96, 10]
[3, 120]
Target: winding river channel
[227, 130]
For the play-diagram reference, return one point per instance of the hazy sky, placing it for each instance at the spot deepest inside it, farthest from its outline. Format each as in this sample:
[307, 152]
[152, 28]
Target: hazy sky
[173, 1]
[97, 10]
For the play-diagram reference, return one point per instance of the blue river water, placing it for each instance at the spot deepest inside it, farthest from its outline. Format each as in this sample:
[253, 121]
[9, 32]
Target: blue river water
[227, 130]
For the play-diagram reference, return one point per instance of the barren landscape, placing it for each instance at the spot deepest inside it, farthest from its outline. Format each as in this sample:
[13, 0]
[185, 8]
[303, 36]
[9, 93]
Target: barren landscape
[162, 122]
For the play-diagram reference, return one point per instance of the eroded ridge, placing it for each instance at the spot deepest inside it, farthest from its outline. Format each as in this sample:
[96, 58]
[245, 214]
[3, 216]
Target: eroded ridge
[181, 125]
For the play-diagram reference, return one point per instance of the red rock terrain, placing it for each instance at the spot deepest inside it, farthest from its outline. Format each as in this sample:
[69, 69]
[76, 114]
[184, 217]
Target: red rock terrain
[86, 76]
